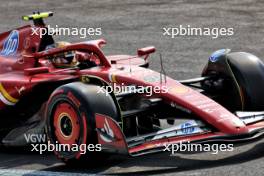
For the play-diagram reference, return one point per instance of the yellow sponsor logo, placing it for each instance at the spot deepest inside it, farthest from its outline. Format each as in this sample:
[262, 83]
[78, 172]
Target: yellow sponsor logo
[5, 97]
[179, 90]
[112, 78]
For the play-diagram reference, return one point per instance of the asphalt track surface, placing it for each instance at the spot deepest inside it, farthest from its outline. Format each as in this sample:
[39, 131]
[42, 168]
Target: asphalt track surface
[128, 25]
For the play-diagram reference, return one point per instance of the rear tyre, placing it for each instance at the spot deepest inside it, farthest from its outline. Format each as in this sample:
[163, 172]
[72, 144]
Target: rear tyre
[70, 121]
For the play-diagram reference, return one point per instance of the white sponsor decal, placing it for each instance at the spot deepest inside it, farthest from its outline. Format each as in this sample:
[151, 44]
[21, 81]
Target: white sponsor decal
[108, 131]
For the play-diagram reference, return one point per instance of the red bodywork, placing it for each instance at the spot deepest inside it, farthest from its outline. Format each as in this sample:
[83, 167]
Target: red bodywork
[24, 68]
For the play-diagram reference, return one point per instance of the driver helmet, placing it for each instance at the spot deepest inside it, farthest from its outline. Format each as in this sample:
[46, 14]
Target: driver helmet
[66, 59]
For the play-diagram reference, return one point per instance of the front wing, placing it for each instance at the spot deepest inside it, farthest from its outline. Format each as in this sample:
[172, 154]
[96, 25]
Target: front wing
[112, 139]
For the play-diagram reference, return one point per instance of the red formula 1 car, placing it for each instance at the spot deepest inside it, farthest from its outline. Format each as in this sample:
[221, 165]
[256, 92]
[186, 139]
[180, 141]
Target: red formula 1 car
[61, 89]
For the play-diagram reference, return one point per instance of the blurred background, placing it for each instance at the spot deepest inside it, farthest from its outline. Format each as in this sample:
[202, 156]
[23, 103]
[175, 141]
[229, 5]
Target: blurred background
[128, 25]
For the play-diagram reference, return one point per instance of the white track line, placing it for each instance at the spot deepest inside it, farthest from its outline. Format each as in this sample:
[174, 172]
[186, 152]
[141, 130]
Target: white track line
[21, 172]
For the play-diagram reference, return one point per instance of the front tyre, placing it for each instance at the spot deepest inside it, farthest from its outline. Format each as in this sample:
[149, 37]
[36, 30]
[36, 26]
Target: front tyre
[238, 78]
[70, 124]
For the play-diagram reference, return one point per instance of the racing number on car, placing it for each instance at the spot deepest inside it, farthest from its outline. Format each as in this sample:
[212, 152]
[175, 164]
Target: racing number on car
[10, 44]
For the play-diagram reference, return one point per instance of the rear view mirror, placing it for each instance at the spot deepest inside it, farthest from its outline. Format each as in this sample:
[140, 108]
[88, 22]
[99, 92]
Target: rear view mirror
[146, 51]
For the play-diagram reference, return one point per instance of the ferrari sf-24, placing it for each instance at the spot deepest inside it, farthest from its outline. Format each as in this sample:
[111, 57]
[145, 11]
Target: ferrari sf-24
[55, 88]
